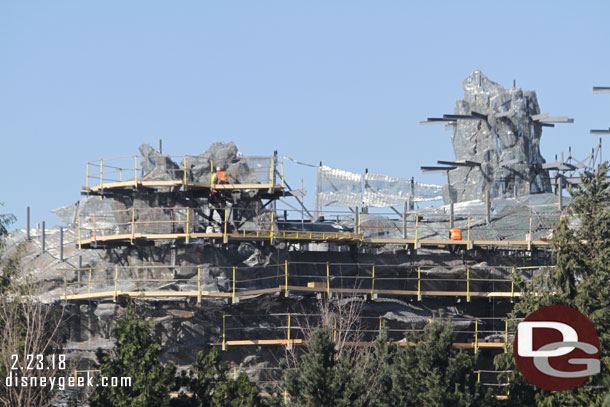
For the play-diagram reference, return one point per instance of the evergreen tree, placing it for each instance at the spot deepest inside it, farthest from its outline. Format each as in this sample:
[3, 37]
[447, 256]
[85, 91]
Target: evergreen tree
[579, 279]
[137, 356]
[212, 387]
[322, 379]
[374, 379]
[434, 373]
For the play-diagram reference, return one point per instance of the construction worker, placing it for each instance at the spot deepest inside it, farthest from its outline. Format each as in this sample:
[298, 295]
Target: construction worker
[454, 234]
[216, 202]
[219, 177]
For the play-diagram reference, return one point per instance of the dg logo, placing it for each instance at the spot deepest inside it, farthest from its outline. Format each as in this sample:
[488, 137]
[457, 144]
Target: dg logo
[556, 348]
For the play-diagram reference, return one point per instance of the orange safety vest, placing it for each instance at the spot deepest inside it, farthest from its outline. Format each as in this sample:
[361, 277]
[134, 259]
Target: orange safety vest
[456, 234]
[222, 176]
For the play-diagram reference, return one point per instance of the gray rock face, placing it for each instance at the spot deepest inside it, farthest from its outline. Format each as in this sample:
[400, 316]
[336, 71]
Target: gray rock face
[158, 166]
[507, 144]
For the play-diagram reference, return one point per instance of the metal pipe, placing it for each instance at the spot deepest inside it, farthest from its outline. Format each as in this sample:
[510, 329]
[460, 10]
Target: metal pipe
[404, 220]
[487, 207]
[27, 223]
[560, 197]
[80, 266]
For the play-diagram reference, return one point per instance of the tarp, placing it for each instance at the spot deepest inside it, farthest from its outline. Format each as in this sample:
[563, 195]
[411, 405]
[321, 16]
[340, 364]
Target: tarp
[338, 187]
[347, 189]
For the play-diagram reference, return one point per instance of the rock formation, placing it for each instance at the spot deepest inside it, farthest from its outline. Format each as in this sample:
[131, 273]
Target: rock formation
[506, 143]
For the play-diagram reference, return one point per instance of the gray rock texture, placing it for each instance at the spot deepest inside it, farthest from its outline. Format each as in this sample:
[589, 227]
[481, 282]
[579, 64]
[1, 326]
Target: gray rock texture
[507, 143]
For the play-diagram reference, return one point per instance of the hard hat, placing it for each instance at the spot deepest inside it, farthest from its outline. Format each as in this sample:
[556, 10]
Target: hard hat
[218, 168]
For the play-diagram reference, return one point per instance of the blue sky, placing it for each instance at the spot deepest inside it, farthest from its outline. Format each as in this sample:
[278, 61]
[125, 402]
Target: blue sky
[345, 83]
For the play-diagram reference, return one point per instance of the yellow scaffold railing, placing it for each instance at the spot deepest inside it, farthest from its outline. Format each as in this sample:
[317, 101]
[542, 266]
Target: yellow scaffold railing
[388, 280]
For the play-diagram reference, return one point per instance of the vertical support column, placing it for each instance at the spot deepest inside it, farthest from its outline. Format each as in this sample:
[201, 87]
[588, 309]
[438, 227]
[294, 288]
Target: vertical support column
[476, 336]
[404, 220]
[356, 220]
[412, 198]
[512, 284]
[418, 283]
[271, 233]
[272, 171]
[560, 197]
[288, 342]
[116, 282]
[373, 295]
[133, 224]
[135, 169]
[187, 226]
[87, 180]
[467, 284]
[317, 206]
[416, 244]
[380, 324]
[327, 279]
[160, 146]
[94, 227]
[529, 239]
[101, 179]
[79, 235]
[225, 239]
[487, 207]
[65, 284]
[89, 285]
[211, 173]
[43, 238]
[478, 376]
[505, 334]
[61, 243]
[184, 180]
[469, 244]
[198, 285]
[27, 223]
[285, 278]
[233, 298]
[224, 337]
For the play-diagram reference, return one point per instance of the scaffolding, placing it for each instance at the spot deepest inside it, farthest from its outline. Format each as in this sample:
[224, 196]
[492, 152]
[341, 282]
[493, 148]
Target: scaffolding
[290, 329]
[222, 214]
[129, 172]
[124, 226]
[233, 282]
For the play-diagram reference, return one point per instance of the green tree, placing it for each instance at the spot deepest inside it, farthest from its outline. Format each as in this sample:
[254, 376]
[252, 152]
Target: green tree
[579, 279]
[136, 355]
[434, 373]
[322, 379]
[212, 386]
